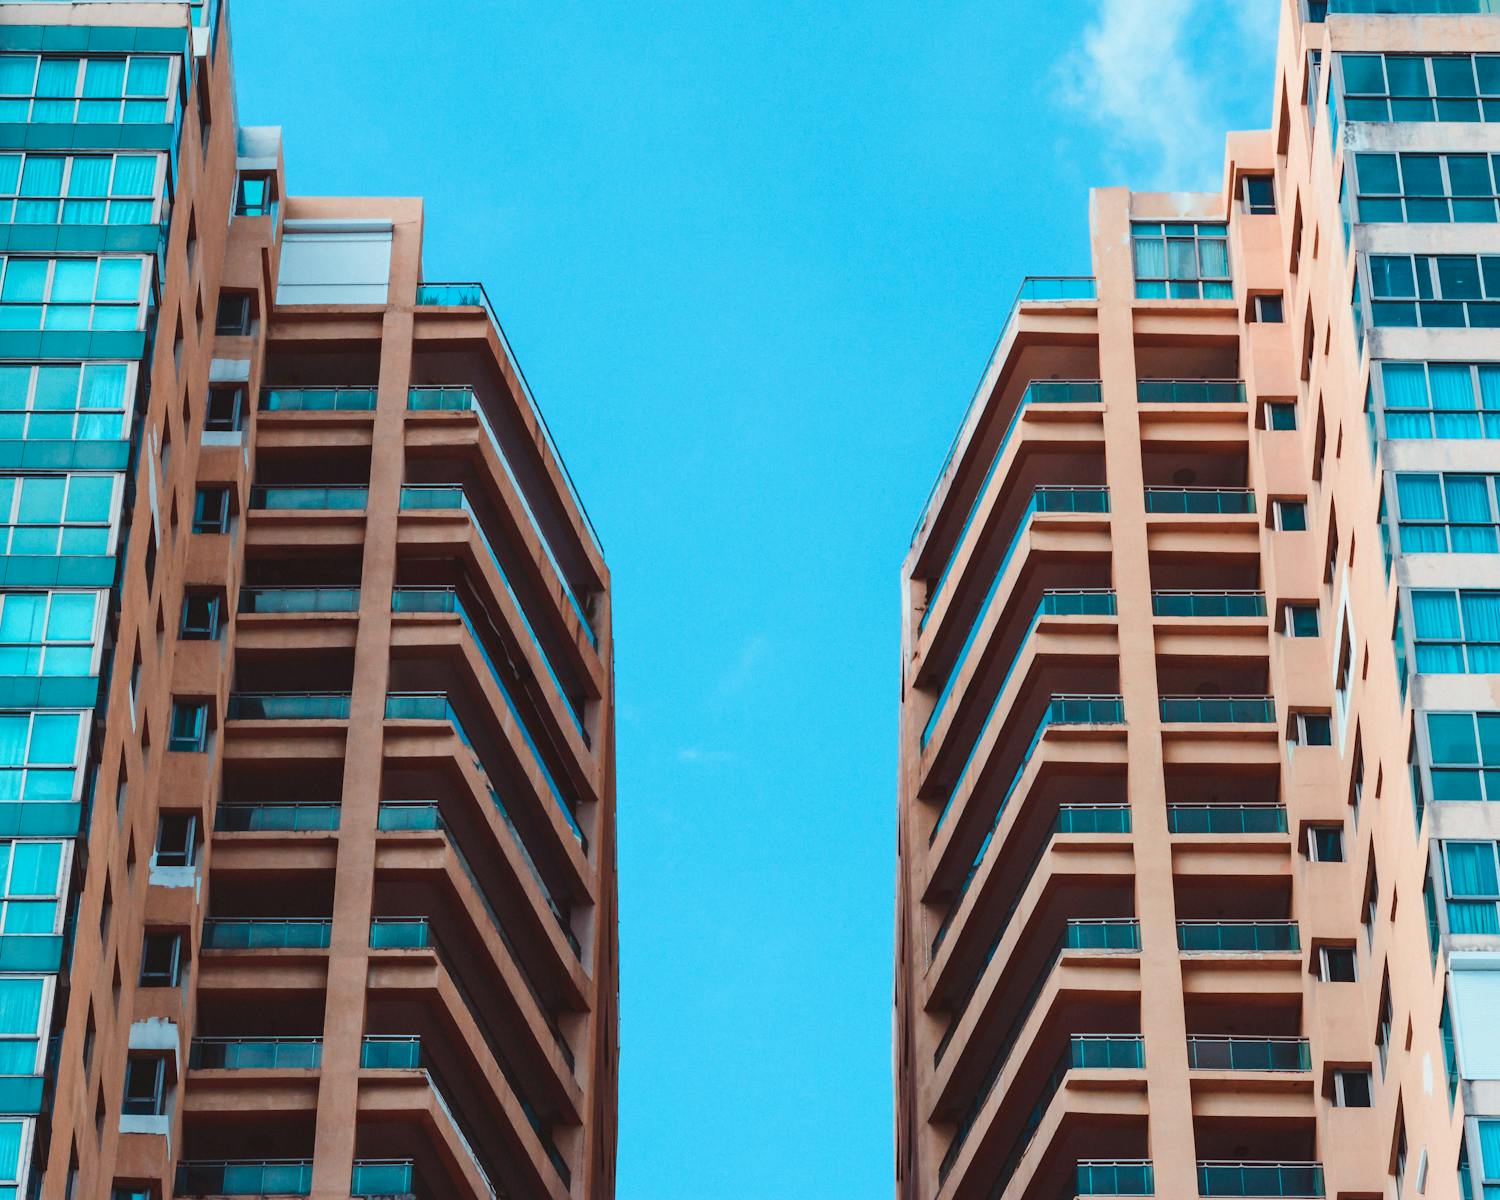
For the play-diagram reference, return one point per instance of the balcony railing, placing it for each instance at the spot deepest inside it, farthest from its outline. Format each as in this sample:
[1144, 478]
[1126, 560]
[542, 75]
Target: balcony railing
[1190, 391]
[1248, 1054]
[1092, 818]
[1123, 1177]
[288, 706]
[1238, 936]
[1055, 602]
[1234, 710]
[299, 599]
[382, 1177]
[391, 1053]
[276, 818]
[255, 1054]
[473, 295]
[1199, 500]
[1038, 391]
[331, 399]
[464, 399]
[245, 1177]
[267, 933]
[400, 933]
[1304, 1179]
[1226, 818]
[1208, 604]
[329, 498]
[405, 815]
[1411, 7]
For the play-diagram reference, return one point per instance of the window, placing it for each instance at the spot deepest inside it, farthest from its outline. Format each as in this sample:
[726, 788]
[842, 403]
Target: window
[1459, 401]
[1290, 515]
[1259, 193]
[1426, 188]
[145, 1086]
[226, 409]
[1489, 1152]
[1471, 875]
[161, 955]
[50, 634]
[1407, 88]
[53, 90]
[1325, 843]
[1336, 964]
[35, 875]
[211, 510]
[200, 616]
[1280, 415]
[1464, 755]
[1352, 1089]
[65, 402]
[1311, 729]
[189, 731]
[1435, 291]
[1372, 901]
[176, 839]
[1181, 261]
[235, 314]
[130, 1191]
[40, 755]
[78, 189]
[1301, 620]
[1383, 1026]
[1443, 514]
[24, 1004]
[1456, 633]
[71, 293]
[255, 196]
[1266, 308]
[205, 109]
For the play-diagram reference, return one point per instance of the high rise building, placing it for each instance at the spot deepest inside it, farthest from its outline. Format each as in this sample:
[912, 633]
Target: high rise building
[1199, 886]
[306, 714]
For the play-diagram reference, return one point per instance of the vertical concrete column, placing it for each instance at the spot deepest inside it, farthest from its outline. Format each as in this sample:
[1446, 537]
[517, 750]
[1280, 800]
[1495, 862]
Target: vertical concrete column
[1163, 1021]
[348, 956]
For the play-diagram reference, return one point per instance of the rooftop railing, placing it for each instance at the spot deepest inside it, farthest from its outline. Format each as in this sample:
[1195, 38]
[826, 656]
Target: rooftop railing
[339, 497]
[1226, 818]
[262, 1054]
[1208, 604]
[1119, 1177]
[299, 599]
[1248, 1054]
[276, 818]
[267, 933]
[1407, 7]
[1238, 936]
[288, 706]
[1197, 501]
[1234, 710]
[1302, 1179]
[1190, 391]
[310, 399]
[245, 1177]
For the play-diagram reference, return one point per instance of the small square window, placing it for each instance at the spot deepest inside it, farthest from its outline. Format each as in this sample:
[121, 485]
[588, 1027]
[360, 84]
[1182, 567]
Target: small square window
[1336, 964]
[1260, 195]
[1266, 309]
[1291, 515]
[1352, 1089]
[1302, 620]
[189, 730]
[201, 612]
[211, 510]
[226, 409]
[1281, 415]
[176, 839]
[1312, 729]
[1325, 843]
[130, 1191]
[234, 315]
[255, 196]
[161, 960]
[145, 1086]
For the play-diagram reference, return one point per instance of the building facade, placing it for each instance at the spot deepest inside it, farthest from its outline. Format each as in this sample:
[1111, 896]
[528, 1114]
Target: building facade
[1199, 881]
[307, 810]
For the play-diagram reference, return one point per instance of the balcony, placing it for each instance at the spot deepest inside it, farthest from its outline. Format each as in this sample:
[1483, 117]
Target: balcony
[383, 1177]
[1119, 1178]
[288, 706]
[1248, 1054]
[1238, 937]
[1260, 1179]
[1208, 604]
[308, 399]
[299, 600]
[267, 933]
[256, 1054]
[245, 1177]
[405, 816]
[1190, 391]
[1220, 710]
[339, 497]
[1200, 501]
[277, 818]
[1226, 818]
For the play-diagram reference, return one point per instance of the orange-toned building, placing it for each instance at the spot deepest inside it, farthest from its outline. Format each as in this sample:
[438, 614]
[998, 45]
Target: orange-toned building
[1199, 881]
[306, 693]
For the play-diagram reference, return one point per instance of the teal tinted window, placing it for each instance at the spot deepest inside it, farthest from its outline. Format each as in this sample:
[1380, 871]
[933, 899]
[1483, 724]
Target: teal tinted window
[1452, 738]
[1302, 620]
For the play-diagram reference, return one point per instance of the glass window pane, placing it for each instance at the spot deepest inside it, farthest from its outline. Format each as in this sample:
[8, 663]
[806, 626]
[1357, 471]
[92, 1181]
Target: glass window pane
[1458, 276]
[56, 387]
[34, 869]
[1453, 75]
[25, 279]
[104, 78]
[1469, 175]
[54, 739]
[1452, 738]
[41, 499]
[58, 77]
[71, 617]
[1363, 74]
[1422, 174]
[119, 279]
[1392, 275]
[89, 498]
[1406, 73]
[73, 281]
[148, 76]
[1377, 174]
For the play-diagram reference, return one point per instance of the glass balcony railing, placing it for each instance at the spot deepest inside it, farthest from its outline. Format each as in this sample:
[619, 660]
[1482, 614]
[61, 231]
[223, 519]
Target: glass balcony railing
[400, 815]
[1132, 1177]
[276, 818]
[288, 706]
[1043, 288]
[1092, 818]
[1303, 1179]
[1059, 602]
[330, 498]
[1038, 391]
[1190, 391]
[245, 1177]
[1248, 1054]
[382, 1177]
[1226, 818]
[443, 498]
[1238, 936]
[464, 399]
[306, 399]
[1199, 500]
[1233, 710]
[299, 599]
[1409, 7]
[1208, 604]
[256, 1054]
[391, 1053]
[267, 933]
[400, 933]
[1106, 1052]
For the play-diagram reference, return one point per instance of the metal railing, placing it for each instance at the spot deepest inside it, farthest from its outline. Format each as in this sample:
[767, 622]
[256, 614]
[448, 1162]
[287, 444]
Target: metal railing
[1236, 710]
[1117, 1177]
[265, 1054]
[1208, 604]
[276, 818]
[382, 1177]
[288, 706]
[464, 399]
[309, 399]
[334, 497]
[1248, 1053]
[1226, 818]
[1190, 391]
[1200, 500]
[244, 1177]
[267, 933]
[1303, 1179]
[1238, 936]
[299, 599]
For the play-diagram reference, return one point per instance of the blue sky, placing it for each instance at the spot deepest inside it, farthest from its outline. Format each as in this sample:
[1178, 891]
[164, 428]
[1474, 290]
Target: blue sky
[753, 264]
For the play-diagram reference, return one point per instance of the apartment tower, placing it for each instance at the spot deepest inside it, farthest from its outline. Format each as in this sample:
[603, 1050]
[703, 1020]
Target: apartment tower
[306, 717]
[1199, 882]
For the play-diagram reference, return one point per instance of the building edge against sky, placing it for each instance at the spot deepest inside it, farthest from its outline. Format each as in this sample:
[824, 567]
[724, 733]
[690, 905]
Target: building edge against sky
[306, 673]
[1199, 881]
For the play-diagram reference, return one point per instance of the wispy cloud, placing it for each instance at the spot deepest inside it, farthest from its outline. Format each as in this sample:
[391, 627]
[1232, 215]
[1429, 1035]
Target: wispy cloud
[737, 675]
[1158, 77]
[701, 754]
